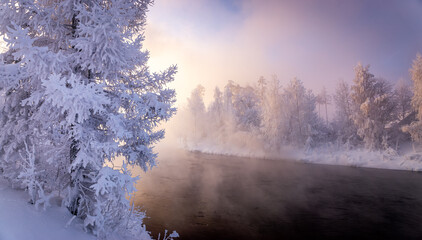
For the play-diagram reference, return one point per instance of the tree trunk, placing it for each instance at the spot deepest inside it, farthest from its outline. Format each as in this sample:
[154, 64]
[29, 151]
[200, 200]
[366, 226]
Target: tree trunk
[326, 113]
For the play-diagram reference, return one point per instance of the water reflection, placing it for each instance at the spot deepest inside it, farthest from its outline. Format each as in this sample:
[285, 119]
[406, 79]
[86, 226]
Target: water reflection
[214, 197]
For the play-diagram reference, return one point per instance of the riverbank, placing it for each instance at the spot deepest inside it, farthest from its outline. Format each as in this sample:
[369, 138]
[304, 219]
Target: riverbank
[408, 159]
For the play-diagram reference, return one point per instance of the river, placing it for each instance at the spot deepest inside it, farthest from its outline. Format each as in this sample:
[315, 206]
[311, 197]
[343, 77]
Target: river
[218, 197]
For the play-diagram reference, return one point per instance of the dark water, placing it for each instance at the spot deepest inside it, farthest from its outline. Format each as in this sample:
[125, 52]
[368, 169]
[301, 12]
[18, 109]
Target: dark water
[213, 197]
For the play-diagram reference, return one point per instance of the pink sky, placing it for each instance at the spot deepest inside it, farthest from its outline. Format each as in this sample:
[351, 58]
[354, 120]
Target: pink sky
[319, 42]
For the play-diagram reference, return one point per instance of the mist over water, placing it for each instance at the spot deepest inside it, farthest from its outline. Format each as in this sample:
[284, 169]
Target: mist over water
[263, 121]
[309, 46]
[205, 196]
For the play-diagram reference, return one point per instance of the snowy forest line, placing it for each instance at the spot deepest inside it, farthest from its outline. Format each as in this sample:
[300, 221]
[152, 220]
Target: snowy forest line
[268, 117]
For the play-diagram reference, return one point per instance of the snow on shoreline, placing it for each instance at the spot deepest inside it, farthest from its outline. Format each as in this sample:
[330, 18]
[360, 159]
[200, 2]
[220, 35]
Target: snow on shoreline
[20, 220]
[239, 151]
[365, 158]
[409, 161]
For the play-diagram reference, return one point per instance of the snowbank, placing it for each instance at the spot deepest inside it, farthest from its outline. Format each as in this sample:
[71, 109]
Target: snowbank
[390, 159]
[365, 158]
[20, 220]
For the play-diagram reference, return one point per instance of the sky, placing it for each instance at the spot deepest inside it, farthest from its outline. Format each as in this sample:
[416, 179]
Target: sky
[317, 41]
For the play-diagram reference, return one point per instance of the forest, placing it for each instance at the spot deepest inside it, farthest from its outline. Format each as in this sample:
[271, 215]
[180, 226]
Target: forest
[371, 113]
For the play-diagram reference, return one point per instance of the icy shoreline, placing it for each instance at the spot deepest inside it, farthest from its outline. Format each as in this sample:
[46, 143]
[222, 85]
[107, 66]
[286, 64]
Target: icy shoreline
[286, 152]
[391, 160]
[366, 159]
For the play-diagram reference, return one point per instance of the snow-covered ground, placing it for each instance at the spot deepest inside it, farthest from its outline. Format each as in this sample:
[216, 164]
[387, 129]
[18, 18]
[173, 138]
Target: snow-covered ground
[411, 161]
[20, 220]
[407, 159]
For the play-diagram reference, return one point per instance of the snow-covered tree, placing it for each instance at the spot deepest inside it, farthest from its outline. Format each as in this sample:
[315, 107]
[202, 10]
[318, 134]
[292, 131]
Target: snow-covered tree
[214, 122]
[324, 99]
[344, 126]
[403, 115]
[271, 111]
[299, 111]
[246, 109]
[403, 98]
[373, 107]
[216, 107]
[261, 88]
[76, 86]
[196, 100]
[230, 91]
[29, 173]
[196, 108]
[415, 128]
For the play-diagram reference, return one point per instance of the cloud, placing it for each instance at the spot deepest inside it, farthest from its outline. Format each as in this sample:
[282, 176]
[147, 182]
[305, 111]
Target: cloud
[317, 41]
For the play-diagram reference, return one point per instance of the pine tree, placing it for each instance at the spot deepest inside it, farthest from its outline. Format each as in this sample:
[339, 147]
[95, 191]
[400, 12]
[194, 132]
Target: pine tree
[76, 87]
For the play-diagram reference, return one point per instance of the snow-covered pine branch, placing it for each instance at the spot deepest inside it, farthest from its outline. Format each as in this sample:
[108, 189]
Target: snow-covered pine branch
[29, 173]
[75, 81]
